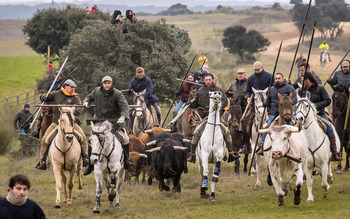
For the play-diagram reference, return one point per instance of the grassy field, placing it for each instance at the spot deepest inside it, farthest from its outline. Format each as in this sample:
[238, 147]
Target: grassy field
[236, 197]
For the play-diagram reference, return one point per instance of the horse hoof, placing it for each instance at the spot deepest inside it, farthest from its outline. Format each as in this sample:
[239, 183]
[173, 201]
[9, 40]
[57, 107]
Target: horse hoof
[346, 169]
[309, 201]
[166, 188]
[57, 206]
[339, 172]
[117, 205]
[296, 201]
[204, 195]
[96, 211]
[212, 199]
[280, 203]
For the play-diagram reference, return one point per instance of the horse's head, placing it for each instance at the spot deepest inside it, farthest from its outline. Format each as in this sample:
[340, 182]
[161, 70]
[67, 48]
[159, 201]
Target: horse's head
[99, 139]
[285, 108]
[304, 110]
[139, 99]
[215, 98]
[339, 98]
[279, 139]
[66, 122]
[235, 111]
[259, 100]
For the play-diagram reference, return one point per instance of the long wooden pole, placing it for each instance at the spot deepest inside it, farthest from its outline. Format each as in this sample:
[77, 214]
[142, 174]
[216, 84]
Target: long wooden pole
[47, 94]
[172, 103]
[300, 36]
[190, 82]
[267, 100]
[309, 53]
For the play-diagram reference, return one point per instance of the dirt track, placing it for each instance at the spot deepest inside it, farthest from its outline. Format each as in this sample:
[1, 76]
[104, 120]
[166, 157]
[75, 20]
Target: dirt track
[290, 35]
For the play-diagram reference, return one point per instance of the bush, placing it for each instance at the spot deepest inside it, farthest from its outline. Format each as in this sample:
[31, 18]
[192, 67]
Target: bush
[7, 134]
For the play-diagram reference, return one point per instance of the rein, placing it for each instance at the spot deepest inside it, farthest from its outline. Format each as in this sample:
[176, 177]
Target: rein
[63, 153]
[102, 143]
[313, 152]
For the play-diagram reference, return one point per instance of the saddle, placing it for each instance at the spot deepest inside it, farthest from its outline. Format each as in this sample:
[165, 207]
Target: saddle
[322, 123]
[201, 127]
[154, 115]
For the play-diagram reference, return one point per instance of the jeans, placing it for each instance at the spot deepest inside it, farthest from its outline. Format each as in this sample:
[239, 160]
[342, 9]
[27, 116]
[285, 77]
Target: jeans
[24, 131]
[178, 107]
[329, 132]
[268, 123]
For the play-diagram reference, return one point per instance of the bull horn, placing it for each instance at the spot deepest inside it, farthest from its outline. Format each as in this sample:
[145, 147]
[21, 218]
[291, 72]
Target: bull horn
[154, 142]
[143, 155]
[148, 131]
[263, 131]
[166, 130]
[293, 129]
[180, 148]
[186, 140]
[153, 149]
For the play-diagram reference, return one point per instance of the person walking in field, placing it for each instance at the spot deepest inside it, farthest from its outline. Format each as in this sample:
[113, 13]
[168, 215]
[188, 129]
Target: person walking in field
[20, 122]
[202, 60]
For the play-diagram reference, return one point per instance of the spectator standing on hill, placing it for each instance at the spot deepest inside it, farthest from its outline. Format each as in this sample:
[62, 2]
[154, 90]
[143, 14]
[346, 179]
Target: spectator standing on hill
[17, 204]
[49, 70]
[86, 11]
[93, 9]
[117, 15]
[21, 119]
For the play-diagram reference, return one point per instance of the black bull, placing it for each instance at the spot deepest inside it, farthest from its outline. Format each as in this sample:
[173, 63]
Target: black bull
[168, 161]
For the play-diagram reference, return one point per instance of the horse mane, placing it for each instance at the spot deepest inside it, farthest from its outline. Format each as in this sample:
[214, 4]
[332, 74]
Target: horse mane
[312, 105]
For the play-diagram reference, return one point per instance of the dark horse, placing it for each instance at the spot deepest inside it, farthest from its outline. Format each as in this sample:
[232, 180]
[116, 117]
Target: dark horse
[285, 109]
[339, 106]
[47, 114]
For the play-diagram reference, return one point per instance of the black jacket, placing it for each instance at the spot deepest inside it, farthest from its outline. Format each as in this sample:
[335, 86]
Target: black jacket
[295, 84]
[30, 209]
[318, 96]
[20, 118]
[201, 101]
[341, 78]
[281, 88]
[258, 81]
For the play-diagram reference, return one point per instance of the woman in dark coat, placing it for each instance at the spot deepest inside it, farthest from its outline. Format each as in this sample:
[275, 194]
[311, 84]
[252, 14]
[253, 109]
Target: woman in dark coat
[184, 92]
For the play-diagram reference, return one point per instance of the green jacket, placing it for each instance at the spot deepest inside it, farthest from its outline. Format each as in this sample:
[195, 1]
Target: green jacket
[109, 105]
[58, 97]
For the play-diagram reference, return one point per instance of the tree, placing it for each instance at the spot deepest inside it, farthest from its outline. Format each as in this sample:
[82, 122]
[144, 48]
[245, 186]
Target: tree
[181, 36]
[176, 9]
[101, 49]
[298, 16]
[296, 2]
[276, 6]
[54, 27]
[243, 43]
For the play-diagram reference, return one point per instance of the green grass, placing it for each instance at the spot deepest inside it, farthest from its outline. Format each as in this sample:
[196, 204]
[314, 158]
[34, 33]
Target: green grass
[19, 73]
[236, 197]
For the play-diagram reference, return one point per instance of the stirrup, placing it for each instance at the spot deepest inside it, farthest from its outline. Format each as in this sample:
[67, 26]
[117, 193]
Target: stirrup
[260, 151]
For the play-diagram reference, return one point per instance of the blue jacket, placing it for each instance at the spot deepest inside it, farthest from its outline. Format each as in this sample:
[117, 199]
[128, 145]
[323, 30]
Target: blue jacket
[139, 85]
[258, 81]
[55, 86]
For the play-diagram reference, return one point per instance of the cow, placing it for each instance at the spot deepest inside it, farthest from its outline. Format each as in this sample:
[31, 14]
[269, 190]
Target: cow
[285, 151]
[137, 158]
[146, 135]
[168, 160]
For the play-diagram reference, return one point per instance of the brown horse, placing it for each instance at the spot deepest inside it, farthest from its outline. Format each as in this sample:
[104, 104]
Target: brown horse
[183, 124]
[47, 114]
[235, 114]
[339, 107]
[246, 130]
[285, 109]
[65, 154]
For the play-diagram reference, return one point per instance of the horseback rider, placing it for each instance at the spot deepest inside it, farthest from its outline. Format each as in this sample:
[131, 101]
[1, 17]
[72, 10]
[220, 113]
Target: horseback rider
[111, 105]
[322, 46]
[238, 88]
[201, 75]
[342, 76]
[302, 72]
[66, 95]
[138, 84]
[201, 103]
[283, 88]
[260, 80]
[202, 60]
[320, 98]
[184, 92]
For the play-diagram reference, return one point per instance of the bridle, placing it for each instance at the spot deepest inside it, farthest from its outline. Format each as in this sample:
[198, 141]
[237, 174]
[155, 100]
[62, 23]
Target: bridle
[303, 104]
[71, 122]
[103, 145]
[261, 96]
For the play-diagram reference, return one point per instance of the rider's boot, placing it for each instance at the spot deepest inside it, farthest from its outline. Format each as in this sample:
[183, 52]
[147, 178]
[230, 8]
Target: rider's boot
[126, 156]
[335, 153]
[232, 154]
[44, 151]
[83, 154]
[90, 167]
[260, 150]
[192, 153]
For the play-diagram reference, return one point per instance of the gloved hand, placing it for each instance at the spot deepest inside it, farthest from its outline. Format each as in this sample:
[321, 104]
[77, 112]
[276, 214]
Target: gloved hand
[43, 98]
[121, 120]
[85, 104]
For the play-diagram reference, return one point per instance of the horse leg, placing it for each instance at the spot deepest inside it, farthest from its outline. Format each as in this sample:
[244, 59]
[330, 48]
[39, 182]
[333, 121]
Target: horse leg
[98, 179]
[214, 180]
[70, 185]
[237, 163]
[330, 175]
[324, 172]
[204, 172]
[79, 175]
[64, 180]
[258, 170]
[58, 178]
[111, 189]
[309, 181]
[245, 160]
[346, 168]
[339, 167]
[120, 180]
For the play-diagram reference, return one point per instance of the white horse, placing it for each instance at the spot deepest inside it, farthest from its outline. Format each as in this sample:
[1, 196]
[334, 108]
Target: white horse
[65, 155]
[319, 154]
[324, 59]
[143, 117]
[211, 147]
[259, 100]
[108, 159]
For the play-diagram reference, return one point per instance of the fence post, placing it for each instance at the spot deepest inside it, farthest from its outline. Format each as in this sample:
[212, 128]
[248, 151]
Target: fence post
[27, 97]
[17, 101]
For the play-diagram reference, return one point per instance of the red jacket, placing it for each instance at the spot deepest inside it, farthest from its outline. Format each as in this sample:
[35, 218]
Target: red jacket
[185, 90]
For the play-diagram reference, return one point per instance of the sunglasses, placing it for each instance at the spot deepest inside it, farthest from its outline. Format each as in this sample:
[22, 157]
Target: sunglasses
[140, 72]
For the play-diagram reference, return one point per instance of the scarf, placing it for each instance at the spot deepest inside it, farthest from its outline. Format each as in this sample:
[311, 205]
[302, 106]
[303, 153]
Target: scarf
[66, 92]
[17, 201]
